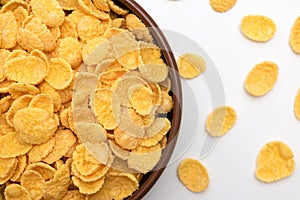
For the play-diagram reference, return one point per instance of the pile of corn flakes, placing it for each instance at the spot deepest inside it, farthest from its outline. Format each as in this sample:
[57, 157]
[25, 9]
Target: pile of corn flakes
[84, 97]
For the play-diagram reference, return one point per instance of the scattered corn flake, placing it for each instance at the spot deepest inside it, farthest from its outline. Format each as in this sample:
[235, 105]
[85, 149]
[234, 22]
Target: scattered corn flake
[88, 28]
[193, 175]
[118, 151]
[95, 50]
[13, 5]
[18, 104]
[141, 99]
[69, 49]
[12, 147]
[68, 29]
[107, 113]
[21, 14]
[275, 161]
[262, 78]
[22, 164]
[43, 101]
[156, 132]
[166, 103]
[117, 23]
[88, 187]
[68, 4]
[90, 132]
[5, 103]
[15, 191]
[28, 40]
[220, 121]
[82, 166]
[294, 39]
[222, 5]
[111, 32]
[116, 9]
[138, 28]
[49, 12]
[55, 32]
[8, 168]
[45, 88]
[89, 8]
[191, 65]
[34, 183]
[108, 78]
[64, 140]
[17, 90]
[102, 5]
[39, 152]
[43, 169]
[34, 125]
[8, 28]
[57, 187]
[75, 16]
[16, 53]
[154, 72]
[30, 65]
[5, 128]
[116, 186]
[4, 86]
[99, 151]
[258, 28]
[60, 74]
[297, 105]
[156, 93]
[144, 159]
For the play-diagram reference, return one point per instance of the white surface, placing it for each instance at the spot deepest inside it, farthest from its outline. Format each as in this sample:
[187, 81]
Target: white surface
[232, 162]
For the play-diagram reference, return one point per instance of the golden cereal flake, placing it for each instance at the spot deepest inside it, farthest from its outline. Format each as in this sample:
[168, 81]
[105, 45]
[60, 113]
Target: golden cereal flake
[102, 5]
[34, 125]
[49, 12]
[294, 40]
[95, 50]
[70, 49]
[43, 169]
[13, 5]
[262, 78]
[193, 175]
[138, 28]
[16, 192]
[220, 121]
[39, 152]
[45, 88]
[105, 111]
[68, 29]
[222, 5]
[88, 187]
[118, 151]
[90, 132]
[21, 14]
[116, 186]
[8, 28]
[89, 8]
[275, 161]
[5, 103]
[8, 168]
[34, 183]
[28, 40]
[166, 103]
[29, 65]
[191, 65]
[258, 28]
[43, 101]
[141, 100]
[68, 4]
[117, 9]
[64, 140]
[60, 74]
[88, 28]
[22, 164]
[126, 141]
[297, 105]
[12, 147]
[154, 72]
[17, 90]
[74, 195]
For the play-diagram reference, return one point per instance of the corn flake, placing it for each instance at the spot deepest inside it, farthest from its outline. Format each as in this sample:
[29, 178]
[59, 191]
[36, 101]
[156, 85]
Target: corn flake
[8, 28]
[90, 132]
[30, 65]
[262, 78]
[191, 65]
[68, 4]
[68, 29]
[275, 161]
[258, 28]
[15, 192]
[89, 8]
[88, 187]
[49, 12]
[124, 140]
[17, 90]
[222, 5]
[64, 140]
[22, 163]
[117, 9]
[70, 49]
[220, 121]
[34, 183]
[141, 100]
[45, 88]
[74, 195]
[118, 151]
[7, 169]
[39, 152]
[43, 169]
[28, 40]
[193, 175]
[43, 101]
[12, 147]
[294, 40]
[34, 125]
[102, 5]
[138, 28]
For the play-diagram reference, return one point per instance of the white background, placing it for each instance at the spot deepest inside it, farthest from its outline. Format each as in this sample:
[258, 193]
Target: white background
[231, 164]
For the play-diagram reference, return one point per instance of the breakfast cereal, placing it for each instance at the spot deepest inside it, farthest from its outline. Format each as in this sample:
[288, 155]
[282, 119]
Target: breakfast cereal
[222, 5]
[191, 65]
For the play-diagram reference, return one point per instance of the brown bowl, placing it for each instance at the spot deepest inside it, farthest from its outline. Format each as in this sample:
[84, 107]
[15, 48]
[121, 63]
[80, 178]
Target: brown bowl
[175, 116]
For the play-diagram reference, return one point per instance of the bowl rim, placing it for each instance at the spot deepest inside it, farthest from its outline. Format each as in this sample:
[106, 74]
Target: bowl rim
[162, 42]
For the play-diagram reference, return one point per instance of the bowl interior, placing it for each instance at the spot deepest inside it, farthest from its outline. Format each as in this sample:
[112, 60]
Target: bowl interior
[175, 115]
